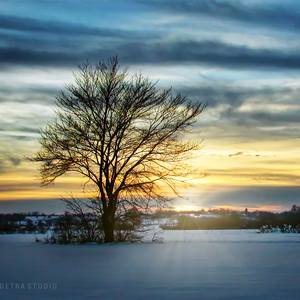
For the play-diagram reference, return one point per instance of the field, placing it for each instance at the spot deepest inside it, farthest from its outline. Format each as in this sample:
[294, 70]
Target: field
[229, 264]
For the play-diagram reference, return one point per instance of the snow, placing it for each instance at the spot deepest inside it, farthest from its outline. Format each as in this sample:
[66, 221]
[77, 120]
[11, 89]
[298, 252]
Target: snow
[206, 264]
[222, 236]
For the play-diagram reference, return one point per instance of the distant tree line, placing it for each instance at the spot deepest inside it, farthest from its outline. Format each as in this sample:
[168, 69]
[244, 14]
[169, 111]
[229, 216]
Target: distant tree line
[226, 219]
[80, 226]
[74, 226]
[22, 223]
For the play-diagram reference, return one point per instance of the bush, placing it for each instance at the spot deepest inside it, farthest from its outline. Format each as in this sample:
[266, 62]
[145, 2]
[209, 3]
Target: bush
[87, 228]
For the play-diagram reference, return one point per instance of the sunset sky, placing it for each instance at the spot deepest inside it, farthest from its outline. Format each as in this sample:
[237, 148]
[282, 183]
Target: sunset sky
[242, 58]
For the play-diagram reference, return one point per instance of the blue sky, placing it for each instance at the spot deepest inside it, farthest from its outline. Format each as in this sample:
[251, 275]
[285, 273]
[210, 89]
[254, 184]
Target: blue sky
[240, 57]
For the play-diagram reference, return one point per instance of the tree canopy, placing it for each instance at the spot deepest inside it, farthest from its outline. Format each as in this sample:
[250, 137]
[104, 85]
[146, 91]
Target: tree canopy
[121, 132]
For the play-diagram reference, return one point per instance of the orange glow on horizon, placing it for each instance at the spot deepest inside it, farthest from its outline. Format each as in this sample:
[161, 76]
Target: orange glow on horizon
[215, 170]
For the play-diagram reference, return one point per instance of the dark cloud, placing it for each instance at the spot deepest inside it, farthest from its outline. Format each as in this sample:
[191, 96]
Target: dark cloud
[225, 117]
[15, 161]
[22, 128]
[271, 15]
[2, 166]
[29, 186]
[9, 160]
[267, 117]
[29, 205]
[212, 53]
[236, 154]
[20, 35]
[263, 118]
[216, 53]
[225, 102]
[30, 94]
[260, 175]
[214, 93]
[284, 196]
[18, 56]
[25, 24]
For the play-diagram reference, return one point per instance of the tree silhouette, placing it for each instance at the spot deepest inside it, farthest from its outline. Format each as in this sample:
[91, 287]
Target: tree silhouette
[121, 132]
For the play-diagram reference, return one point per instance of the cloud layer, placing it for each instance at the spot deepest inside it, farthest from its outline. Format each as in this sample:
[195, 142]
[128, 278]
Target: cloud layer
[240, 57]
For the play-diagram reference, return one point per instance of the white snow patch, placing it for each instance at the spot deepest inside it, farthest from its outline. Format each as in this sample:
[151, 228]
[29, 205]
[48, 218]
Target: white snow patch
[198, 264]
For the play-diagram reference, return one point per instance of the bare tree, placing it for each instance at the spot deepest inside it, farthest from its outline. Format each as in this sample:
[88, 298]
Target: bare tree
[121, 132]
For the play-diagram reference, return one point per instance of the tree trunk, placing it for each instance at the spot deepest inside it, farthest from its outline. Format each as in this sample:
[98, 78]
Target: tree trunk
[108, 221]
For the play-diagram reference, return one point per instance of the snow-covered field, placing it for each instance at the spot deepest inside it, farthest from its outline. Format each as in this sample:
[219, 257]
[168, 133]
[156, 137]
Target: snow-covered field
[219, 264]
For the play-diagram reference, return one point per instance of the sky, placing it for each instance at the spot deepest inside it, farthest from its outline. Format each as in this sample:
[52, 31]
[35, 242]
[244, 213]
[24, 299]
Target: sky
[241, 58]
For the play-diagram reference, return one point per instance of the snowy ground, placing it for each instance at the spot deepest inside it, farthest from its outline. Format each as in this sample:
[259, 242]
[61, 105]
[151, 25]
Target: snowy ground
[204, 265]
